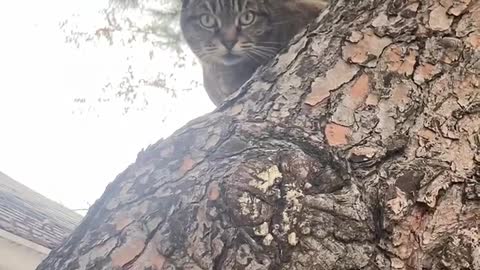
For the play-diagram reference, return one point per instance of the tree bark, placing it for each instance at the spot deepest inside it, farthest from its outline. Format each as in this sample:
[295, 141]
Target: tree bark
[358, 148]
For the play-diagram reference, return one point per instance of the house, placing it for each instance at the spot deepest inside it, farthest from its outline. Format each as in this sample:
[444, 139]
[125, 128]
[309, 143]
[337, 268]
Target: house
[30, 225]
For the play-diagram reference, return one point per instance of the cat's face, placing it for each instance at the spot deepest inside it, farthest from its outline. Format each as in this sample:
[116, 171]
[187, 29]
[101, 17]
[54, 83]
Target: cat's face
[230, 32]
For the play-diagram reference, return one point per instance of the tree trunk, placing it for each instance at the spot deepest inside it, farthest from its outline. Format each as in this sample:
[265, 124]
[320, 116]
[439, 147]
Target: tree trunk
[358, 148]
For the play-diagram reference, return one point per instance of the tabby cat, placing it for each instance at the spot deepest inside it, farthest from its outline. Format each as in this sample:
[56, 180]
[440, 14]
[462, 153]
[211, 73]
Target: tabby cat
[232, 38]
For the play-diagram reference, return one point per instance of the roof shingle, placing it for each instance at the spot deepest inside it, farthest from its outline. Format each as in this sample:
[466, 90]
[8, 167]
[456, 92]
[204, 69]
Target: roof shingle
[32, 216]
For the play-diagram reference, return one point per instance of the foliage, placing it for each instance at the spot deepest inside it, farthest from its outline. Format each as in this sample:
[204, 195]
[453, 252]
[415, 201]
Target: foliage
[146, 36]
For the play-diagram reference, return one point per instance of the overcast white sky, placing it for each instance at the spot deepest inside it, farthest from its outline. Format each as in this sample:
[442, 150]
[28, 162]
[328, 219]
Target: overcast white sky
[66, 156]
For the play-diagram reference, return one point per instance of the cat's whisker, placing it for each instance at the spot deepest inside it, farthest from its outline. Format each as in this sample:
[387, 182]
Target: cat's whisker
[204, 54]
[269, 43]
[267, 52]
[267, 49]
[210, 47]
[260, 54]
[256, 58]
[249, 55]
[246, 46]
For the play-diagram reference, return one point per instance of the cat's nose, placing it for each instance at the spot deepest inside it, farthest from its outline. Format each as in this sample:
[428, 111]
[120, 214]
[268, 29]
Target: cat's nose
[229, 44]
[229, 37]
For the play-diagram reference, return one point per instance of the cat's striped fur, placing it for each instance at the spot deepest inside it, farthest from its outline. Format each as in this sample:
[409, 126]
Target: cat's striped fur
[232, 38]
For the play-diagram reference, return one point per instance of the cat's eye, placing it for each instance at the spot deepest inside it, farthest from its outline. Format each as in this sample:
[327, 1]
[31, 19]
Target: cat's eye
[246, 18]
[208, 21]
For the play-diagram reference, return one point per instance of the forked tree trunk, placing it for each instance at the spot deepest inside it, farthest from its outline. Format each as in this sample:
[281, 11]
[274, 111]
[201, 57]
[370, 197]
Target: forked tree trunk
[359, 148]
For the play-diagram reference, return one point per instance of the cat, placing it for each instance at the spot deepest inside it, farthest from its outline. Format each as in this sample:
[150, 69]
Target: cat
[232, 38]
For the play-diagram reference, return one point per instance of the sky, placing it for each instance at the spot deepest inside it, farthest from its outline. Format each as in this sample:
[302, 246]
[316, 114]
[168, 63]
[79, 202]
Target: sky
[64, 150]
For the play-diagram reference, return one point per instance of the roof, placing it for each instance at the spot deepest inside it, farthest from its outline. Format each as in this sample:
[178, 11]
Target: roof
[28, 214]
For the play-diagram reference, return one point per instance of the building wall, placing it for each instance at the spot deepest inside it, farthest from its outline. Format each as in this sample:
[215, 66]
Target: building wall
[19, 254]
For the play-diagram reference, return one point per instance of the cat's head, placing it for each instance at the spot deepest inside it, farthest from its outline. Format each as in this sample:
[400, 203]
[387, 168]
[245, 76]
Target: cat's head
[230, 32]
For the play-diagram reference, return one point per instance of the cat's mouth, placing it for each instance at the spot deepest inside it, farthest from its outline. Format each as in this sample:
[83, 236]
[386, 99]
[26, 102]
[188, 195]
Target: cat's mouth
[231, 59]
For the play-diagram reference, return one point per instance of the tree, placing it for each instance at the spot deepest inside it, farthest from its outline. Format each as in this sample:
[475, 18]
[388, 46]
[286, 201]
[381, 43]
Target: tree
[146, 36]
[358, 148]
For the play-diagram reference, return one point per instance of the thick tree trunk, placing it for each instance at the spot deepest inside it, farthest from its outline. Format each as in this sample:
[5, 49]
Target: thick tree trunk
[359, 148]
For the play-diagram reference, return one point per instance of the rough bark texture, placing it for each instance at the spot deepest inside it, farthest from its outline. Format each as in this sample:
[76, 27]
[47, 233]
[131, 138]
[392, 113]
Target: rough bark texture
[359, 148]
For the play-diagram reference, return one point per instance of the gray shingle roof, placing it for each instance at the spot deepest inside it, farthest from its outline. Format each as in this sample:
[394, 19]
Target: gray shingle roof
[32, 216]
